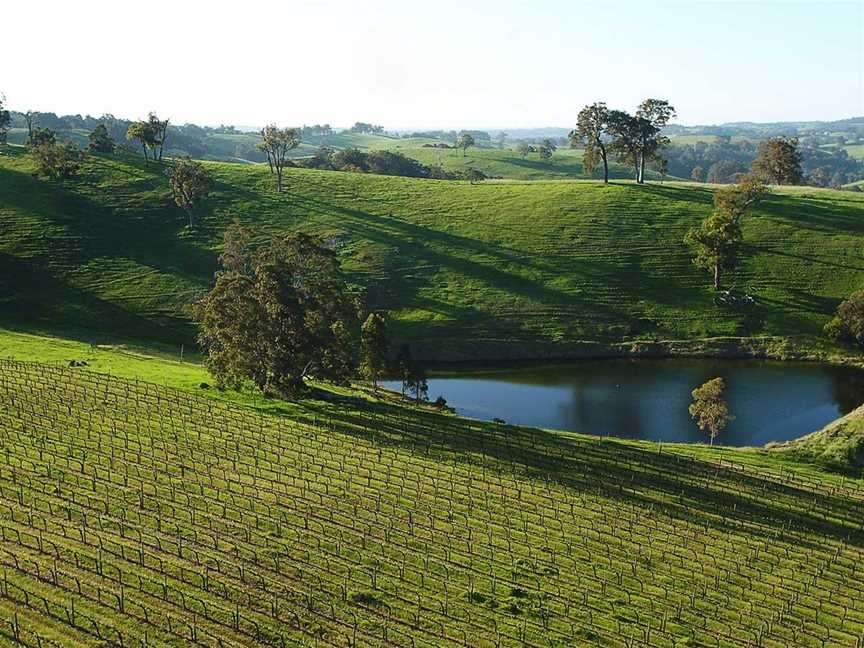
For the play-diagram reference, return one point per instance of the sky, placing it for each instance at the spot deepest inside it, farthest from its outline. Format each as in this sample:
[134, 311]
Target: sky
[433, 63]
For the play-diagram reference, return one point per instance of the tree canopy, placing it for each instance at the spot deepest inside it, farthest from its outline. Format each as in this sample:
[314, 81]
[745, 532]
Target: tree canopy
[709, 409]
[778, 161]
[373, 347]
[466, 140]
[190, 183]
[592, 131]
[57, 161]
[5, 119]
[276, 143]
[717, 239]
[278, 315]
[100, 140]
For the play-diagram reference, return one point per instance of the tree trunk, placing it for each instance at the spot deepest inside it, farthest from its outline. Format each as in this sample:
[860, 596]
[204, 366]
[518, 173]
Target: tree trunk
[605, 165]
[642, 169]
[716, 277]
[278, 179]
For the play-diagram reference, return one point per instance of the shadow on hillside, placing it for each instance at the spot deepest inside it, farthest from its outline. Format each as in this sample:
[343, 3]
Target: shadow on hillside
[78, 231]
[435, 249]
[832, 262]
[834, 215]
[42, 303]
[688, 489]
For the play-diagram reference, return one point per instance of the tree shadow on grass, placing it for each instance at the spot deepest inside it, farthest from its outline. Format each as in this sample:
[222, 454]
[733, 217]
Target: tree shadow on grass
[697, 491]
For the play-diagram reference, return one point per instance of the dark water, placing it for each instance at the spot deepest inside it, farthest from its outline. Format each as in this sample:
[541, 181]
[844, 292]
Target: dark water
[648, 399]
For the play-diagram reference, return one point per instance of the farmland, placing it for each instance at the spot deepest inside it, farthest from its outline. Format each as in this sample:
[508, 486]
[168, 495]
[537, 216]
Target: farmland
[137, 514]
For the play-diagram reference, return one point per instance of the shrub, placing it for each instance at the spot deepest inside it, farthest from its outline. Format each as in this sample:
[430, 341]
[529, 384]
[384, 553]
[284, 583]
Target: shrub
[848, 323]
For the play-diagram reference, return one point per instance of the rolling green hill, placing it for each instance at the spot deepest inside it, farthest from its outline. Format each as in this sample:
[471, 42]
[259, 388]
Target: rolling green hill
[507, 163]
[496, 270]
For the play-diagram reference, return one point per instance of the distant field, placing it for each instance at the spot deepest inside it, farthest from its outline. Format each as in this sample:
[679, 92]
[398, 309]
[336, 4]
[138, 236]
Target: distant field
[683, 140]
[855, 150]
[499, 269]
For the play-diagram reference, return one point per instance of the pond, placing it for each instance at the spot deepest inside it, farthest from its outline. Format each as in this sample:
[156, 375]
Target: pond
[648, 399]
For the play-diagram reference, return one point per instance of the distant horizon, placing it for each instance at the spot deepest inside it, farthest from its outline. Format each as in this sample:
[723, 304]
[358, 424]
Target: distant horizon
[406, 129]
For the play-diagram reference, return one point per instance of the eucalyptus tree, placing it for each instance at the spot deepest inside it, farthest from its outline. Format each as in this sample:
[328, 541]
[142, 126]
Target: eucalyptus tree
[276, 143]
[592, 132]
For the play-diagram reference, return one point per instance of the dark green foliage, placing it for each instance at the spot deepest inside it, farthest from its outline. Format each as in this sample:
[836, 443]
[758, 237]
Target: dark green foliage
[41, 136]
[592, 129]
[717, 239]
[778, 161]
[278, 316]
[412, 374]
[5, 120]
[848, 324]
[390, 163]
[100, 140]
[190, 183]
[373, 347]
[57, 161]
[638, 139]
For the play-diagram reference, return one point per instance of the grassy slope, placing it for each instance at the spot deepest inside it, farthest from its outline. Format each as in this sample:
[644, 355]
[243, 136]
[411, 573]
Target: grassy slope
[508, 163]
[374, 521]
[500, 268]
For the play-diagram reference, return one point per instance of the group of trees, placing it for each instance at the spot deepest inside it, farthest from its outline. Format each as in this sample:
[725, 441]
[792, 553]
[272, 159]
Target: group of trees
[724, 160]
[633, 139]
[5, 119]
[151, 134]
[544, 149]
[283, 313]
[382, 163]
[363, 127]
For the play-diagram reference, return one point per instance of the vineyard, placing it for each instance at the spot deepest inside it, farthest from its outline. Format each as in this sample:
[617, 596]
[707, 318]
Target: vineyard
[134, 515]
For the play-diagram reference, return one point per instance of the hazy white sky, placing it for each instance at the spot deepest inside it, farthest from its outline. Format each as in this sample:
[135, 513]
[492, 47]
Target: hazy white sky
[433, 63]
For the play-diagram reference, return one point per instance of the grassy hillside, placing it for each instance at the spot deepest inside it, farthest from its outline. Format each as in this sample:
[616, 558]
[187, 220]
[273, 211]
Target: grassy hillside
[508, 163]
[138, 515]
[493, 270]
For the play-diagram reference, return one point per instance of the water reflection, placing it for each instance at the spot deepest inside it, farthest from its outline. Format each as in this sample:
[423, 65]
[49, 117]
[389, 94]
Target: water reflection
[648, 399]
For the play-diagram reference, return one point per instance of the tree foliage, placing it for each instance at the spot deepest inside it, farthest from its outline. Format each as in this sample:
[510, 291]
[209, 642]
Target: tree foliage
[5, 119]
[100, 140]
[709, 409]
[465, 141]
[373, 347]
[276, 143]
[190, 184]
[717, 239]
[592, 131]
[778, 161]
[278, 316]
[848, 323]
[41, 136]
[57, 161]
[151, 134]
[638, 139]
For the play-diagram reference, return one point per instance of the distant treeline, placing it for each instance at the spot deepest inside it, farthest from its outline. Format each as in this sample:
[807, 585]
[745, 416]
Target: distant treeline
[381, 162]
[724, 160]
